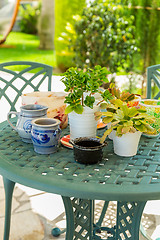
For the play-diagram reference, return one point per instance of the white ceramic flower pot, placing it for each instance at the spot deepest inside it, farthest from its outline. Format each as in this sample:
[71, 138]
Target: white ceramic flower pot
[127, 144]
[83, 125]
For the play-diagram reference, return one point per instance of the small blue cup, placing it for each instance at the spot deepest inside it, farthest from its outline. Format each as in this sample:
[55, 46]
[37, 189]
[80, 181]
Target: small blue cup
[45, 135]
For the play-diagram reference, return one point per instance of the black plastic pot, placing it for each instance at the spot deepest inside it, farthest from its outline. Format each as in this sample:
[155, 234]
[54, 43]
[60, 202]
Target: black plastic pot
[87, 150]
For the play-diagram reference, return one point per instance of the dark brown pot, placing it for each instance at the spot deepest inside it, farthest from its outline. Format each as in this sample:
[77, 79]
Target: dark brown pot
[87, 150]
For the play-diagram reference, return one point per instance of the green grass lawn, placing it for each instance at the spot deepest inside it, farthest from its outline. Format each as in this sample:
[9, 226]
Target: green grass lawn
[24, 47]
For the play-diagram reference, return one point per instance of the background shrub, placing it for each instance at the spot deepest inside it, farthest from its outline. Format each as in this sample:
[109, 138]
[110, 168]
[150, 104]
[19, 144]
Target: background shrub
[29, 18]
[64, 11]
[105, 36]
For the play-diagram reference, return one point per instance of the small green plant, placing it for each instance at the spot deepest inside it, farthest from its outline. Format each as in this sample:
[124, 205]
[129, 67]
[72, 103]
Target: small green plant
[82, 85]
[124, 119]
[117, 94]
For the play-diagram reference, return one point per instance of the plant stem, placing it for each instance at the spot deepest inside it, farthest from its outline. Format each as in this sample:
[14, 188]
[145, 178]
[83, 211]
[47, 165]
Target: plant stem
[82, 100]
[100, 102]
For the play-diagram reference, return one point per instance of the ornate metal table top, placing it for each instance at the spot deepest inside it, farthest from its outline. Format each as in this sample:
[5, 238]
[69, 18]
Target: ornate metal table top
[115, 178]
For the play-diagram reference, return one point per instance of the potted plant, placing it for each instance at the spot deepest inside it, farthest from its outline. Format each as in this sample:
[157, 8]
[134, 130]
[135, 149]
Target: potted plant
[152, 106]
[81, 86]
[127, 124]
[129, 98]
[117, 94]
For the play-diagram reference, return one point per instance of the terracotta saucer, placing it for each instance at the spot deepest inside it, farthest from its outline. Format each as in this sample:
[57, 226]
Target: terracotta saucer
[101, 125]
[65, 141]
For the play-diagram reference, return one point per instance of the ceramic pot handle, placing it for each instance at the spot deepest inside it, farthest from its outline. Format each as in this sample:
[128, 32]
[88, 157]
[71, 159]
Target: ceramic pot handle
[58, 132]
[8, 118]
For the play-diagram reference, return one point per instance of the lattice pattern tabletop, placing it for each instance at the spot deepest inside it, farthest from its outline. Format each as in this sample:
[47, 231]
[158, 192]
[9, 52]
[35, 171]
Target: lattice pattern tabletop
[115, 178]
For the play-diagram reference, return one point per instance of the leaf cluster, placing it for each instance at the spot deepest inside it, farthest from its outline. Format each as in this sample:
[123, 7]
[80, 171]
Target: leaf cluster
[124, 96]
[124, 119]
[105, 36]
[82, 85]
[29, 18]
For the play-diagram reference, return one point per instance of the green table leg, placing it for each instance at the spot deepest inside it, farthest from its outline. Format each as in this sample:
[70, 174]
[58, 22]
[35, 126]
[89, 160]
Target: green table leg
[81, 226]
[103, 213]
[8, 187]
[80, 220]
[79, 214]
[69, 218]
[128, 220]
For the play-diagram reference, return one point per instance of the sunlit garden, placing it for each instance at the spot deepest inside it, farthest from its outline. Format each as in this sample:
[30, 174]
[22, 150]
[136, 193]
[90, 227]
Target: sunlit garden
[80, 119]
[22, 46]
[121, 35]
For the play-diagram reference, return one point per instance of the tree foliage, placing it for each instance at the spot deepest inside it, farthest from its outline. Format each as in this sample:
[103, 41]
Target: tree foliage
[64, 12]
[29, 18]
[105, 36]
[147, 19]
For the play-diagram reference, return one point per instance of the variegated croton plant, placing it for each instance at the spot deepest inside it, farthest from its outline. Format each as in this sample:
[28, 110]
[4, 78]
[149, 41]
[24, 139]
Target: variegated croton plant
[124, 119]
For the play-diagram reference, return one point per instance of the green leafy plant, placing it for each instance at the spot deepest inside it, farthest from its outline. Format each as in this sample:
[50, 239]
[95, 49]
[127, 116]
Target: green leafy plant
[124, 119]
[29, 18]
[105, 36]
[82, 85]
[64, 31]
[124, 96]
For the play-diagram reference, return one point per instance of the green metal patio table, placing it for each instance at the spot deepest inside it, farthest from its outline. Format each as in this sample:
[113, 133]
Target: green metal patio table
[129, 181]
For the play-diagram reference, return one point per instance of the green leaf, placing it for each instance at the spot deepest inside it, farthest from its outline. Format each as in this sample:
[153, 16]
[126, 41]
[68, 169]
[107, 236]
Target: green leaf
[78, 109]
[116, 92]
[115, 123]
[141, 128]
[106, 95]
[89, 100]
[130, 97]
[149, 128]
[132, 112]
[138, 122]
[125, 130]
[108, 114]
[140, 116]
[119, 130]
[69, 109]
[132, 130]
[128, 123]
[125, 110]
[119, 115]
[142, 110]
[111, 107]
[107, 119]
[103, 105]
[98, 115]
[106, 133]
[117, 102]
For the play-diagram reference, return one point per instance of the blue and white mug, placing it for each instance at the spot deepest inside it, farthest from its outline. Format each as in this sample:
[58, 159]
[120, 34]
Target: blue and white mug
[25, 116]
[45, 135]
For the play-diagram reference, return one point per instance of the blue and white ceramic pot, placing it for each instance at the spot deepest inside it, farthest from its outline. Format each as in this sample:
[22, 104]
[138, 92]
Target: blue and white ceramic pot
[45, 135]
[25, 116]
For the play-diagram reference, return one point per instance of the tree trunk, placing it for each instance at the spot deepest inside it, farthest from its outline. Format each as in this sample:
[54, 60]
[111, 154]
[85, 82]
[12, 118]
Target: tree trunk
[46, 25]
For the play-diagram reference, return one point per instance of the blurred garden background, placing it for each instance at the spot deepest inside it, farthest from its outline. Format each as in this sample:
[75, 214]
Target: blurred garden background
[122, 35]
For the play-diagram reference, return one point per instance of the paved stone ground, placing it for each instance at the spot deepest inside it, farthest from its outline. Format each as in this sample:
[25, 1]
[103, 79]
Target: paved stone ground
[25, 224]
